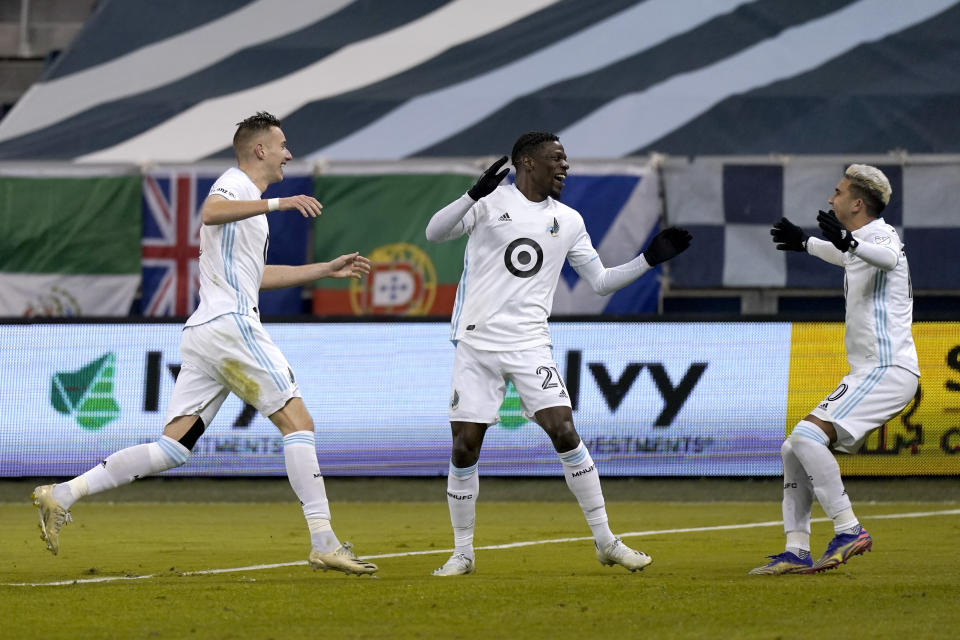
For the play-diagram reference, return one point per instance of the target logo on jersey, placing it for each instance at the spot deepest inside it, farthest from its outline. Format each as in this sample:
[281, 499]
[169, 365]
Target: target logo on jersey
[523, 257]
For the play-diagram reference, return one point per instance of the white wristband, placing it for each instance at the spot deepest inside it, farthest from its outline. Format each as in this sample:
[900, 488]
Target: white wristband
[273, 204]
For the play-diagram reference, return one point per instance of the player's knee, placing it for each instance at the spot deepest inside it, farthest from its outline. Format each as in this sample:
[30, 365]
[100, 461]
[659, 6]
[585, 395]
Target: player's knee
[167, 453]
[564, 435]
[806, 432]
[178, 462]
[786, 449]
[465, 453]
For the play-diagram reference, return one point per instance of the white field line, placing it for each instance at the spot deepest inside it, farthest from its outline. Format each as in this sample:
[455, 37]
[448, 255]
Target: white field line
[510, 545]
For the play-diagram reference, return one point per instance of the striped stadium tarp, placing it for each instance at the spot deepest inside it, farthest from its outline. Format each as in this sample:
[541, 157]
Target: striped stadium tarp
[166, 82]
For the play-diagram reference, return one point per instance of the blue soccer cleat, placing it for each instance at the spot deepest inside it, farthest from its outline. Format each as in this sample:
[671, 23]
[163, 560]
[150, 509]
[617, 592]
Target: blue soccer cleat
[843, 547]
[786, 562]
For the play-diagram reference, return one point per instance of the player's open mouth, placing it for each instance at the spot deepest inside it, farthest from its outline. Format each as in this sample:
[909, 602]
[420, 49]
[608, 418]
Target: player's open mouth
[559, 178]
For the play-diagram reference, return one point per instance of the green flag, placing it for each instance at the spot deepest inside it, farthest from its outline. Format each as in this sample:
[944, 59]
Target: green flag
[384, 217]
[69, 246]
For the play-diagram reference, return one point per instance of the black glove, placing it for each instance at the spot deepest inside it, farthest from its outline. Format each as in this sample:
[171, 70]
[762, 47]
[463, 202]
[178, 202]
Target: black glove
[834, 231]
[667, 244]
[788, 236]
[487, 182]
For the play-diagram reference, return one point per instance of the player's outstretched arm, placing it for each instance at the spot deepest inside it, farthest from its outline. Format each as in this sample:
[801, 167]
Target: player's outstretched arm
[446, 224]
[789, 237]
[351, 265]
[219, 210]
[881, 256]
[665, 245]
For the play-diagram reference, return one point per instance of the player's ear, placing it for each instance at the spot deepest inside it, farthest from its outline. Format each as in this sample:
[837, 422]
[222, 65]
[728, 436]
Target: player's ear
[258, 150]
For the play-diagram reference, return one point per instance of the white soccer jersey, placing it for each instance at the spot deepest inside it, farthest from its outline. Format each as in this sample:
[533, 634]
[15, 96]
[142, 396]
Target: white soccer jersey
[232, 255]
[511, 267]
[879, 305]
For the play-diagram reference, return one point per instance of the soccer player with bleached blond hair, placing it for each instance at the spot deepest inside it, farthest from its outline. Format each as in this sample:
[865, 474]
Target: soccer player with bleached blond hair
[884, 373]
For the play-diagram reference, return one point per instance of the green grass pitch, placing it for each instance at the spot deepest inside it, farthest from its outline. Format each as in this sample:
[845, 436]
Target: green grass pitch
[696, 588]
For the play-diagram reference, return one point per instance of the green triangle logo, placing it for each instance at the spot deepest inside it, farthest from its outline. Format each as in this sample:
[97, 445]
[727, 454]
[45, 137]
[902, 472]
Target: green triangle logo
[87, 393]
[511, 411]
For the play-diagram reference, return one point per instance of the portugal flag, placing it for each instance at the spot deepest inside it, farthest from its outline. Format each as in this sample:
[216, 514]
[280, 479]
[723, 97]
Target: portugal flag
[384, 217]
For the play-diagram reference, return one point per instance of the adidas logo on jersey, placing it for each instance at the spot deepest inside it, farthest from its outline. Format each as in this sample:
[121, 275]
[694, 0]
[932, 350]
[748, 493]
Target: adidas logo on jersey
[505, 217]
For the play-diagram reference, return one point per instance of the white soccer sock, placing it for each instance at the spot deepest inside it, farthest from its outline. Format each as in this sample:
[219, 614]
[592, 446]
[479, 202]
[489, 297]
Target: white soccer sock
[463, 486]
[809, 445]
[797, 501]
[303, 472]
[123, 467]
[584, 482]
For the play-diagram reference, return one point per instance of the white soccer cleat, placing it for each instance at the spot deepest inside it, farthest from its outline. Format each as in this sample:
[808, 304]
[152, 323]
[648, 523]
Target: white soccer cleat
[53, 517]
[618, 553]
[458, 565]
[341, 559]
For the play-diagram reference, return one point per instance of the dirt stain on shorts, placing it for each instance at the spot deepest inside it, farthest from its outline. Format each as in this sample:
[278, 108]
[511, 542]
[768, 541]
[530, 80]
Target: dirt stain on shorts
[239, 382]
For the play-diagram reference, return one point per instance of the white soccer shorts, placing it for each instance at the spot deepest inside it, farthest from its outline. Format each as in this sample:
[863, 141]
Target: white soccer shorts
[864, 401]
[231, 353]
[480, 382]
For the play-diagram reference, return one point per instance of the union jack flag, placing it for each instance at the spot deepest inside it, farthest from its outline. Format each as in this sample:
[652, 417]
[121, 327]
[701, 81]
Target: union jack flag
[171, 243]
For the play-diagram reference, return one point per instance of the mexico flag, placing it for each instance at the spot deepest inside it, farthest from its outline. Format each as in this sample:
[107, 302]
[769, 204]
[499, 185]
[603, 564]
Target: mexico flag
[69, 244]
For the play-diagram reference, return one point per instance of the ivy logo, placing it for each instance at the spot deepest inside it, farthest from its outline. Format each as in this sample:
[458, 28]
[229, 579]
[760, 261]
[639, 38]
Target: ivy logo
[87, 394]
[511, 411]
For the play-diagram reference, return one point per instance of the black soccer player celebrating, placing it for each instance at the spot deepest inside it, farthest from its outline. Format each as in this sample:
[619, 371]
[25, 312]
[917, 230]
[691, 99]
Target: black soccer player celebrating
[519, 237]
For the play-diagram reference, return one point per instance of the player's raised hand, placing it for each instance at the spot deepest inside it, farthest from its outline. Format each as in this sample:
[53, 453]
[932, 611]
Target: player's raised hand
[351, 265]
[788, 236]
[834, 231]
[489, 180]
[308, 206]
[667, 244]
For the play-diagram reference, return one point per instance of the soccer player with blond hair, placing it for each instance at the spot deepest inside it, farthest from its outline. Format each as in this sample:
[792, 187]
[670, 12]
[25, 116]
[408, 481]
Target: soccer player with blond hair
[884, 373]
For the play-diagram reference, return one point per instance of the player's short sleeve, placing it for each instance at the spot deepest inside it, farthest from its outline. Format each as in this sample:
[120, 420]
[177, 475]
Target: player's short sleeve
[582, 251]
[227, 186]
